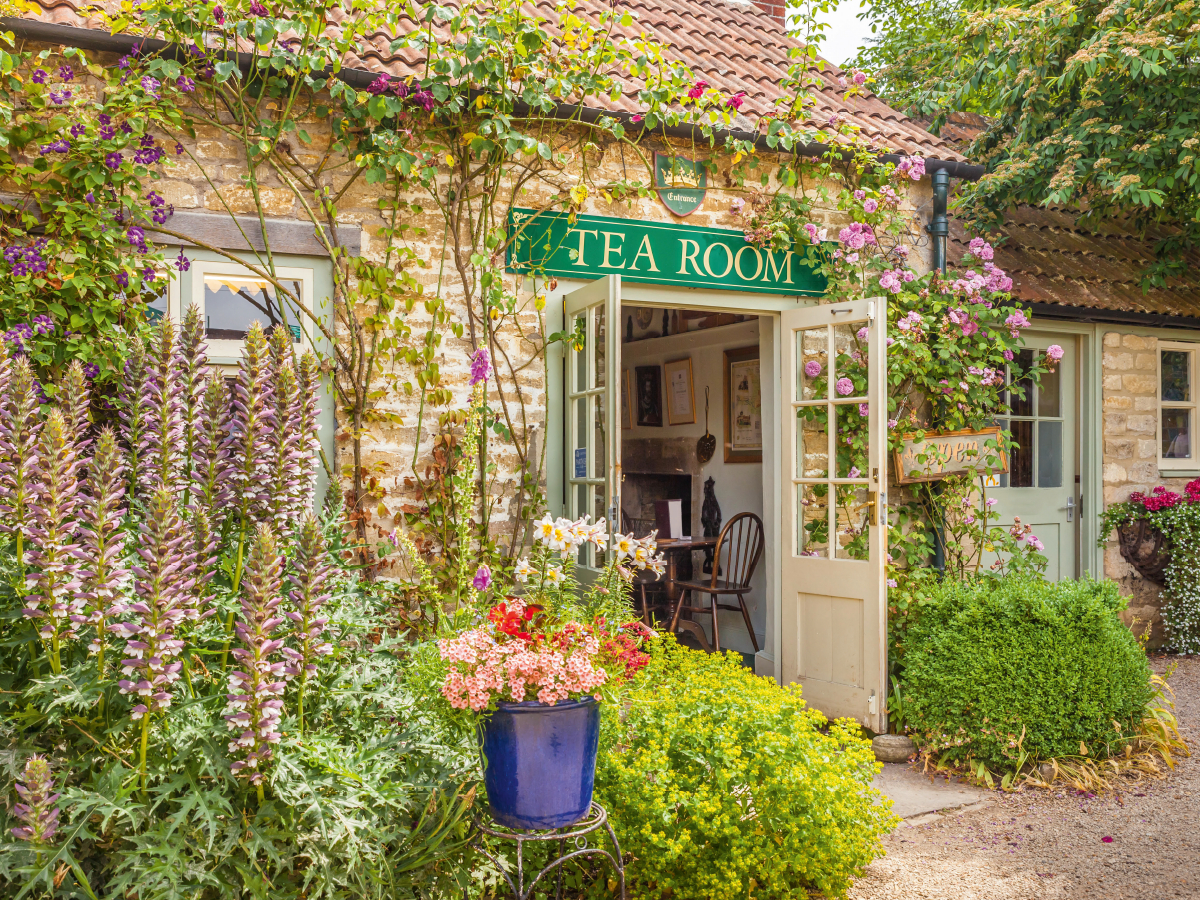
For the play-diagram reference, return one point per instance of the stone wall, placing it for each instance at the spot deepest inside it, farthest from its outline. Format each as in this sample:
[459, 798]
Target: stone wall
[210, 177]
[1130, 390]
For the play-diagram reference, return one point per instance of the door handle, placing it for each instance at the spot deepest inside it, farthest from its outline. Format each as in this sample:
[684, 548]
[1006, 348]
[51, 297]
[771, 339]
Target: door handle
[1070, 508]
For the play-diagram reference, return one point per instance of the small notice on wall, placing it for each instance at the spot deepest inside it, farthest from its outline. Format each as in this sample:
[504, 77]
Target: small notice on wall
[938, 455]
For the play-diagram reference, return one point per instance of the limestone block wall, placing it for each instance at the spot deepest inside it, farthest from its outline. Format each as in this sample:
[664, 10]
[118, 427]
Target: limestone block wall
[210, 176]
[1130, 392]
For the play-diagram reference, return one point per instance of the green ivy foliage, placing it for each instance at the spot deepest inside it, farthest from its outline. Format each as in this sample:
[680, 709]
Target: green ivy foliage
[724, 785]
[1002, 670]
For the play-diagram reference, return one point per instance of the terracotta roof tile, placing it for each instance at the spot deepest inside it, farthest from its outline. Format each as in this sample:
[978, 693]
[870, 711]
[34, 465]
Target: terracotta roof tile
[1052, 259]
[730, 43]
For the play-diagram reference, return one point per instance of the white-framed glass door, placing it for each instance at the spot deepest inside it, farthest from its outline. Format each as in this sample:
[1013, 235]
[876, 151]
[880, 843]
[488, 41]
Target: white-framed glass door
[592, 421]
[834, 415]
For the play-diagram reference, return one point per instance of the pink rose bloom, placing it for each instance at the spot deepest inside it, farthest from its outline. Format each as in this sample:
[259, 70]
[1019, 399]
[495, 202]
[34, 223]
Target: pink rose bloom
[858, 195]
[1054, 352]
[870, 206]
[860, 78]
[862, 333]
[844, 386]
[864, 409]
[812, 368]
[1008, 354]
[891, 423]
[697, 90]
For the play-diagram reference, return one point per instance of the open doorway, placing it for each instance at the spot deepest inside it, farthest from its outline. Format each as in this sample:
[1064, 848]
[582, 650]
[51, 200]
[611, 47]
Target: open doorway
[691, 453]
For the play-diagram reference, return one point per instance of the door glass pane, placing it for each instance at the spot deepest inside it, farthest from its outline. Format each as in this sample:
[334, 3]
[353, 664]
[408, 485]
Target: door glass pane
[813, 363]
[1020, 399]
[1001, 480]
[232, 302]
[580, 361]
[1050, 453]
[852, 451]
[599, 343]
[581, 433]
[599, 444]
[1176, 433]
[1049, 402]
[812, 520]
[850, 363]
[852, 521]
[1176, 384]
[812, 442]
[1020, 458]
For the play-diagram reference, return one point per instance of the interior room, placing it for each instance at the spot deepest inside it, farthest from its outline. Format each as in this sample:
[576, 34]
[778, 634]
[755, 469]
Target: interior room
[692, 431]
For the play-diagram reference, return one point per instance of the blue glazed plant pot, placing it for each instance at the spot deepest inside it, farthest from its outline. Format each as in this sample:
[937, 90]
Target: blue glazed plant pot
[540, 762]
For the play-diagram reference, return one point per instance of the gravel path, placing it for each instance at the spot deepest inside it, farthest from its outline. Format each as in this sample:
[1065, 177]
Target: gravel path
[1049, 845]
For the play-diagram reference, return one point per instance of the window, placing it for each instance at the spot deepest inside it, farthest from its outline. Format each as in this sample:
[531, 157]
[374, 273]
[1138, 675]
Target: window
[1036, 427]
[1177, 405]
[230, 297]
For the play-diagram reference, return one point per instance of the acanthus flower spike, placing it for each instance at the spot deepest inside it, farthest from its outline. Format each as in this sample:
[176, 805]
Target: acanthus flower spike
[37, 810]
[255, 698]
[309, 579]
[103, 573]
[209, 459]
[131, 414]
[54, 599]
[250, 427]
[308, 381]
[160, 456]
[192, 372]
[74, 400]
[283, 489]
[162, 582]
[19, 427]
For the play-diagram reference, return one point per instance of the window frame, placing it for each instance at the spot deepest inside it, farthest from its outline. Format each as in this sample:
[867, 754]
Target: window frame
[1188, 463]
[228, 352]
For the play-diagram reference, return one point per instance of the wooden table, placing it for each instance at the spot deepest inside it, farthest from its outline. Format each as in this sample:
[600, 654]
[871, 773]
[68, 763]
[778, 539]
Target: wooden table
[673, 549]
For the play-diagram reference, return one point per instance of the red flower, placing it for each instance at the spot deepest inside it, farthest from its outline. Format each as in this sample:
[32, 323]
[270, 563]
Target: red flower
[735, 102]
[509, 621]
[697, 90]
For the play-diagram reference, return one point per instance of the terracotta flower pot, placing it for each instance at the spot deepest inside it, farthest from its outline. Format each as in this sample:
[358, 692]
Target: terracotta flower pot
[1146, 549]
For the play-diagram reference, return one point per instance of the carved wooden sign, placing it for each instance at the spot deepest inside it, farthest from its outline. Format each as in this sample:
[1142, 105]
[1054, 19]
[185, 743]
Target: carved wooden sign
[938, 455]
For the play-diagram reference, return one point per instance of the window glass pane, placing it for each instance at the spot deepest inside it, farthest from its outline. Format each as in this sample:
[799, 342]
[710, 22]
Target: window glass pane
[852, 522]
[1049, 403]
[1021, 398]
[1176, 433]
[580, 361]
[1176, 380]
[850, 357]
[812, 442]
[851, 446]
[1002, 479]
[1049, 455]
[156, 306]
[813, 362]
[599, 444]
[232, 302]
[579, 464]
[1020, 458]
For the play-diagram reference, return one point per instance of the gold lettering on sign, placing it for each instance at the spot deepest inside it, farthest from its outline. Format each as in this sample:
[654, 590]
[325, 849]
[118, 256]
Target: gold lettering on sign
[758, 263]
[689, 257]
[773, 271]
[610, 249]
[708, 260]
[644, 250]
[937, 455]
[582, 238]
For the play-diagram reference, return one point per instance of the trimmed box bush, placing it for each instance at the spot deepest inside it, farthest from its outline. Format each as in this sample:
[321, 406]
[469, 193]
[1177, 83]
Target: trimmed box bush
[1000, 667]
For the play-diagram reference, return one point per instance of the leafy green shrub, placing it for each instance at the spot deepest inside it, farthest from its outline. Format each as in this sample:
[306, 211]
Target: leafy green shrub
[1002, 668]
[721, 784]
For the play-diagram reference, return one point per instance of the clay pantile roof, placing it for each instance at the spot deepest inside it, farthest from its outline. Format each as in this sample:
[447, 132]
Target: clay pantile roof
[731, 44]
[959, 129]
[1052, 260]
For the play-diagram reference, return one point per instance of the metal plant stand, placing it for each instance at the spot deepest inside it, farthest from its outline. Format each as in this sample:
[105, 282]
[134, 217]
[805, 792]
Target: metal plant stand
[575, 835]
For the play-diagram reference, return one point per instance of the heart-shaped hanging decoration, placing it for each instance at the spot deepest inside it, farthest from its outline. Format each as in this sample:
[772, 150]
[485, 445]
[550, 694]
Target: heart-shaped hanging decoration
[707, 445]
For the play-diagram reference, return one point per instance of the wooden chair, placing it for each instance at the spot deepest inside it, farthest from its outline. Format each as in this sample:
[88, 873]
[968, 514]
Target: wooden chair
[643, 582]
[738, 550]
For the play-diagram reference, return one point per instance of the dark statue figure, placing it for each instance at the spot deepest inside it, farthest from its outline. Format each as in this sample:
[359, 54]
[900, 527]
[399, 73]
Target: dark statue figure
[629, 330]
[666, 322]
[710, 518]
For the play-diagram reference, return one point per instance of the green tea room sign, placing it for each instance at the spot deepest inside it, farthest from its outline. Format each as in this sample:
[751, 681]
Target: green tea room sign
[642, 252]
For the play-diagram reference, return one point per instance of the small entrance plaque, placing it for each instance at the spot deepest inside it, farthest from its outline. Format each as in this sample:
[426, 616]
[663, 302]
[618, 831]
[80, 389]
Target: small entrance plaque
[936, 455]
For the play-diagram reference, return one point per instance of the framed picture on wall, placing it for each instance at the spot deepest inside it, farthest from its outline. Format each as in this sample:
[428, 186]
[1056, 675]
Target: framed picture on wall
[626, 400]
[743, 406]
[681, 403]
[648, 387]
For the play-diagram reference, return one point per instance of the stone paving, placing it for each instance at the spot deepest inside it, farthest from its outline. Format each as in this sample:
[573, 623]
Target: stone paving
[1139, 843]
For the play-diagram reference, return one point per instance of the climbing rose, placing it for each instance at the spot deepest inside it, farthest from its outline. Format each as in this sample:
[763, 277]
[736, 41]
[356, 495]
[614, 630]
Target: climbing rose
[812, 368]
[844, 386]
[697, 90]
[1054, 352]
[870, 206]
[735, 102]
